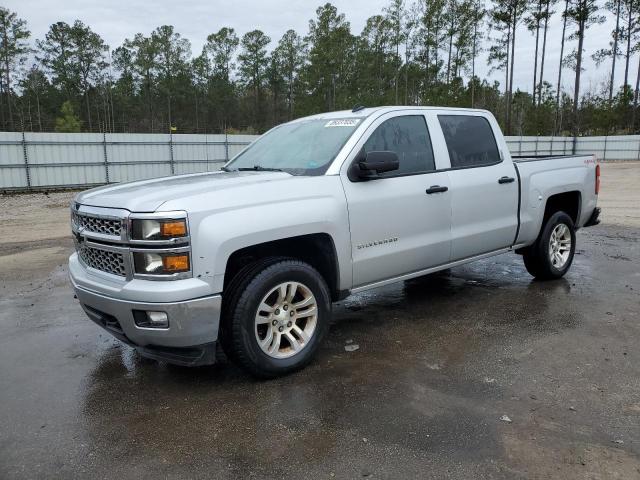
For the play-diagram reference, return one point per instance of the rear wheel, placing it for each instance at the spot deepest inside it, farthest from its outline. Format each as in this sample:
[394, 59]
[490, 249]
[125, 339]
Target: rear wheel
[552, 254]
[276, 317]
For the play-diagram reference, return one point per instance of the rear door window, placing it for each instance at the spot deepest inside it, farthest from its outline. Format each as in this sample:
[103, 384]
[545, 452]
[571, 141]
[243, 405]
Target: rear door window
[409, 138]
[470, 141]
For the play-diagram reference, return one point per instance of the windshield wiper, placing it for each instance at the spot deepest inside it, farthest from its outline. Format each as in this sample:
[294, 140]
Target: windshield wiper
[226, 169]
[259, 168]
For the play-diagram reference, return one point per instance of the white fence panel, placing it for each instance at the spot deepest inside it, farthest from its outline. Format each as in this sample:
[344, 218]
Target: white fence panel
[52, 160]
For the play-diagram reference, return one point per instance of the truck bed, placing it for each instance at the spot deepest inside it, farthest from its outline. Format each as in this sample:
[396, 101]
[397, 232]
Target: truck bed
[542, 176]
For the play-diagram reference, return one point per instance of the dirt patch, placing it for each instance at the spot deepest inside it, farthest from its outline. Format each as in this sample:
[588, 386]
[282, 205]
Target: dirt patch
[620, 193]
[36, 216]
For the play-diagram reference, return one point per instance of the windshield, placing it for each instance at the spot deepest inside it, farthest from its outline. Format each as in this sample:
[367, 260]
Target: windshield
[300, 148]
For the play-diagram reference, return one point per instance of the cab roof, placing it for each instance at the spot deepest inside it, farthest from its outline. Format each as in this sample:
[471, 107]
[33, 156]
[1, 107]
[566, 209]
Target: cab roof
[365, 112]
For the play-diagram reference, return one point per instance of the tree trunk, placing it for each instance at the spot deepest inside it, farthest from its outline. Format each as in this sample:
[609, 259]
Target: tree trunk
[8, 87]
[86, 94]
[450, 51]
[150, 100]
[38, 107]
[544, 51]
[113, 109]
[635, 100]
[197, 113]
[535, 58]
[2, 119]
[290, 98]
[513, 56]
[576, 91]
[29, 113]
[615, 50]
[628, 53]
[557, 126]
[506, 80]
[398, 61]
[473, 64]
[435, 55]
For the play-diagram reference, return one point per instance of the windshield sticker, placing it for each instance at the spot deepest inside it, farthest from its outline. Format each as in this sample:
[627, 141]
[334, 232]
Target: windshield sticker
[347, 122]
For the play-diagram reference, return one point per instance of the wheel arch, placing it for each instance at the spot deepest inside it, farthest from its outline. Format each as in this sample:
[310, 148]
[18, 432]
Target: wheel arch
[316, 249]
[568, 202]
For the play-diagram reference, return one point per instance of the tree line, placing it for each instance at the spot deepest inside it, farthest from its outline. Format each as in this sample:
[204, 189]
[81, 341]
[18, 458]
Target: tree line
[421, 53]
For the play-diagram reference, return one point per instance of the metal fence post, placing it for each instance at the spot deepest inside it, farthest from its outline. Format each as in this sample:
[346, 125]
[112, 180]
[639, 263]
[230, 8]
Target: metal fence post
[171, 152]
[26, 161]
[106, 160]
[604, 150]
[226, 147]
[206, 149]
[573, 148]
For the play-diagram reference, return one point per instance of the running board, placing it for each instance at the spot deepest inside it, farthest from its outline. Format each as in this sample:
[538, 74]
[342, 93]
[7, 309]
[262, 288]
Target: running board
[427, 271]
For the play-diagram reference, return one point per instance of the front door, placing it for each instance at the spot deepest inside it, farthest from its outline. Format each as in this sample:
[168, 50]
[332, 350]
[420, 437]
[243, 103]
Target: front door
[399, 224]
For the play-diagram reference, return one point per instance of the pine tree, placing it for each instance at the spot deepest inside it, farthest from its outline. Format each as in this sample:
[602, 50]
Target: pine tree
[69, 121]
[583, 13]
[13, 52]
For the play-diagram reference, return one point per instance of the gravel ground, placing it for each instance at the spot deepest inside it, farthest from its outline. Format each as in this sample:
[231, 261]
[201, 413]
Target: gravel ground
[475, 373]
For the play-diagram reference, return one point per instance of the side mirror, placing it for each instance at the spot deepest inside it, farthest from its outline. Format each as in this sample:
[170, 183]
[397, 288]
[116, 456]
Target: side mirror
[372, 164]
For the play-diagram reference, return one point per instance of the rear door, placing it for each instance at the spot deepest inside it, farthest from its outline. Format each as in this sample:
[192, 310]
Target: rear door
[484, 187]
[396, 226]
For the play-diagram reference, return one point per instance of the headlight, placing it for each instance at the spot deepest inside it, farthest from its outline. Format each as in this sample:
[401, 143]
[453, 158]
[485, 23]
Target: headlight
[149, 263]
[149, 229]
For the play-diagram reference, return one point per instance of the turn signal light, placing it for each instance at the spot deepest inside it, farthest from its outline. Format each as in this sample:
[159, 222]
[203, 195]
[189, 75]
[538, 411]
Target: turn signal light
[175, 263]
[173, 229]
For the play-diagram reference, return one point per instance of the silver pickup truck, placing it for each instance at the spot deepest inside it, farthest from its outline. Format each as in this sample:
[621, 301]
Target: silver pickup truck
[252, 257]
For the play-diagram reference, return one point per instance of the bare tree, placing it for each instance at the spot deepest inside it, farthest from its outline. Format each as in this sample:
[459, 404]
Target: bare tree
[505, 16]
[557, 126]
[546, 16]
[613, 52]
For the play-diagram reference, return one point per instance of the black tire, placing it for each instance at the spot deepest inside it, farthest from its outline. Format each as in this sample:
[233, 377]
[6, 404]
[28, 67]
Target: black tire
[230, 298]
[246, 291]
[537, 259]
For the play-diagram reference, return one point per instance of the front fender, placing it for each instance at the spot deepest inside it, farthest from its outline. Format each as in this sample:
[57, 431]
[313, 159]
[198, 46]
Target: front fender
[219, 234]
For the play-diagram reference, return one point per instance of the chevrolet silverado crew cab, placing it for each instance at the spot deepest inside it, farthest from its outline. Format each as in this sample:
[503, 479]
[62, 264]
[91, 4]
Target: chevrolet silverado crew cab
[252, 257]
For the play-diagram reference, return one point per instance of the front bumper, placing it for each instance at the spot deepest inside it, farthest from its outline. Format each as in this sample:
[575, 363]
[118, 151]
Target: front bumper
[190, 339]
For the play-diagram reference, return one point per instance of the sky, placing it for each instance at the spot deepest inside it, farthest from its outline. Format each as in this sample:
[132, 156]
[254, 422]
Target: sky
[116, 20]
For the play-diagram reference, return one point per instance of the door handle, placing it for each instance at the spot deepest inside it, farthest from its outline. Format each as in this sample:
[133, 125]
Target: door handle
[506, 180]
[436, 189]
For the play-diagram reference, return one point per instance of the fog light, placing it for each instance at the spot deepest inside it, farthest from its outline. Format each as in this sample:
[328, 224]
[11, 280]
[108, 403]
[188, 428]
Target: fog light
[151, 319]
[158, 319]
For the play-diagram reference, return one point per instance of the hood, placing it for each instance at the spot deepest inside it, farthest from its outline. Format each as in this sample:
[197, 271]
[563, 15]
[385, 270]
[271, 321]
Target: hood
[149, 195]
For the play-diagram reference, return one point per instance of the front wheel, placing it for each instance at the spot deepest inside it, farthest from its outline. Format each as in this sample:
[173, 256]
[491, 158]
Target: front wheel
[277, 317]
[552, 254]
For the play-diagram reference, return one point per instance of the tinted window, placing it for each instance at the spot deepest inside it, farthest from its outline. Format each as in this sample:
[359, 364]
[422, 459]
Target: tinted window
[409, 138]
[470, 140]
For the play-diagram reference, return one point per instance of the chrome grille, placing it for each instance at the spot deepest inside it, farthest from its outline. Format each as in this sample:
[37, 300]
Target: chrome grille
[106, 261]
[104, 226]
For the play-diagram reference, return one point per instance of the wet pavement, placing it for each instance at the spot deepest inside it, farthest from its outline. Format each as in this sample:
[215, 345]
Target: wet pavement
[440, 360]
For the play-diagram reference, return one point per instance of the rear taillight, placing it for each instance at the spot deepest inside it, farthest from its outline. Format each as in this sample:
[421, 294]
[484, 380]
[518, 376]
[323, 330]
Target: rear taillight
[597, 179]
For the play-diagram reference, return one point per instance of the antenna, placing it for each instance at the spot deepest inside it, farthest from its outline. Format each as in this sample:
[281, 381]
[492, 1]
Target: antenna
[357, 108]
